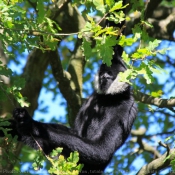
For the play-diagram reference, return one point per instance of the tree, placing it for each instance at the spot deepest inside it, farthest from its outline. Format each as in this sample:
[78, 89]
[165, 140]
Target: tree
[46, 29]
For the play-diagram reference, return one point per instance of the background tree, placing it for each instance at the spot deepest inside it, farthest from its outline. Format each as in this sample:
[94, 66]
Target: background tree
[62, 48]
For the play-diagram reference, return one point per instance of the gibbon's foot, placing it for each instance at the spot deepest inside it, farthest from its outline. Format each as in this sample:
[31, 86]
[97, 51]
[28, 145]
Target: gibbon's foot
[23, 120]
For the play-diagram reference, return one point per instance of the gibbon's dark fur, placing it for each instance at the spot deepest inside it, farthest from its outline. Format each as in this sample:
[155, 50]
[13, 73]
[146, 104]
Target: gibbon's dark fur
[102, 124]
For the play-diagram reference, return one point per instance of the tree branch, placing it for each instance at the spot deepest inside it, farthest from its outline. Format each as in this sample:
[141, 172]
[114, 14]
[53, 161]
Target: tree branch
[63, 11]
[37, 32]
[143, 146]
[158, 164]
[34, 74]
[147, 99]
[162, 12]
[138, 132]
[64, 81]
[162, 20]
[76, 68]
[164, 27]
[152, 5]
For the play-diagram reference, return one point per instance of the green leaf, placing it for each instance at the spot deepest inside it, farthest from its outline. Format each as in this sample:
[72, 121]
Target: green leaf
[157, 94]
[117, 17]
[116, 6]
[144, 69]
[39, 161]
[141, 53]
[18, 83]
[147, 24]
[126, 58]
[56, 152]
[74, 157]
[163, 51]
[127, 75]
[5, 71]
[4, 122]
[99, 4]
[105, 48]
[41, 11]
[137, 31]
[106, 54]
[88, 27]
[124, 76]
[110, 40]
[110, 3]
[21, 100]
[123, 41]
[154, 44]
[168, 138]
[9, 23]
[137, 6]
[87, 49]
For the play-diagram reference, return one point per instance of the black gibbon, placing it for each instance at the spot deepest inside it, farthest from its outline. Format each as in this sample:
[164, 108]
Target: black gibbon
[102, 124]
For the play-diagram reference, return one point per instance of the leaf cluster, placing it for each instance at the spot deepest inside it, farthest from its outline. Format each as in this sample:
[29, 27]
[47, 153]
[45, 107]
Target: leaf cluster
[25, 29]
[107, 38]
[7, 92]
[60, 165]
[7, 144]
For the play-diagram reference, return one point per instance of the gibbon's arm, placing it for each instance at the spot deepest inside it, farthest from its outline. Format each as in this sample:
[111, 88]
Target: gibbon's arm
[50, 136]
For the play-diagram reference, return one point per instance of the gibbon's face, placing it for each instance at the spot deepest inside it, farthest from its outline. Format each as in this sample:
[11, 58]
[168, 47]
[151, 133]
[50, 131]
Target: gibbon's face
[106, 77]
[106, 80]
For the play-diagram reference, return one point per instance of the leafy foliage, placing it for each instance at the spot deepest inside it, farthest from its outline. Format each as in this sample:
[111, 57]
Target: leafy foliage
[105, 39]
[14, 89]
[60, 165]
[7, 144]
[27, 29]
[104, 42]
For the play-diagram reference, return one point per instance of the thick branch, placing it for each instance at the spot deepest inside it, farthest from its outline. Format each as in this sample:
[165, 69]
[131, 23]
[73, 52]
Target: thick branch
[158, 164]
[34, 74]
[64, 80]
[163, 27]
[147, 99]
[162, 20]
[138, 132]
[162, 12]
[3, 59]
[63, 11]
[143, 146]
[76, 68]
[152, 5]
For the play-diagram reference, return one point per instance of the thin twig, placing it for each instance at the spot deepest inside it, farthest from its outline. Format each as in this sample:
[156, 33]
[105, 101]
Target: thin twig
[40, 148]
[102, 18]
[165, 146]
[39, 32]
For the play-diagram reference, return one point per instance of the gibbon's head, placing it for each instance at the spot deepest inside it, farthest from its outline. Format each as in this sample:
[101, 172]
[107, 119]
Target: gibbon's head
[106, 80]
